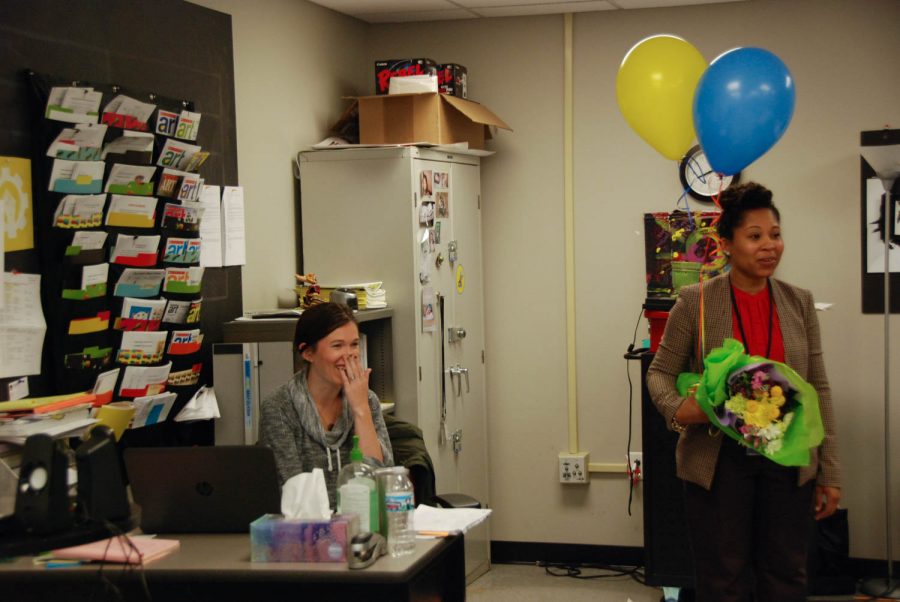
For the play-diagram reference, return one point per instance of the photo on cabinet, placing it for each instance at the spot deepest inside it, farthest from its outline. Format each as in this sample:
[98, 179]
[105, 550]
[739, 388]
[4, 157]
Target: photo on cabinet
[428, 301]
[425, 187]
[443, 204]
[426, 214]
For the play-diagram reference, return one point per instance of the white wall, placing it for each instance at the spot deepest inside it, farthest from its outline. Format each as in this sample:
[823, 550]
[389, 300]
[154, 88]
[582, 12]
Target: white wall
[838, 52]
[293, 61]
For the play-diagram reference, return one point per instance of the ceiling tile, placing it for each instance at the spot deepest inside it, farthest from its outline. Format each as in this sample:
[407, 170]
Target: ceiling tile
[513, 3]
[543, 8]
[629, 4]
[371, 7]
[416, 16]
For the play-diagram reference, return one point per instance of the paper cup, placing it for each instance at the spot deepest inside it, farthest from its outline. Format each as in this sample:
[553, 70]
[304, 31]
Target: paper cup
[116, 415]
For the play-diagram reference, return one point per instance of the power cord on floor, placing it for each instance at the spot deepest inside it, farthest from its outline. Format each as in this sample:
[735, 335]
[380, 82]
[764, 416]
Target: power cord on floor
[577, 571]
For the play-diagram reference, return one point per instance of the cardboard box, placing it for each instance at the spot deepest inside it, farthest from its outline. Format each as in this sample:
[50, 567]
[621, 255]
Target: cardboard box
[386, 69]
[274, 538]
[429, 117]
[453, 80]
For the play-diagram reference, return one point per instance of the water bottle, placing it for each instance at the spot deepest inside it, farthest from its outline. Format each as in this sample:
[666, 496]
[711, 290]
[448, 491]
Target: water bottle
[399, 505]
[357, 492]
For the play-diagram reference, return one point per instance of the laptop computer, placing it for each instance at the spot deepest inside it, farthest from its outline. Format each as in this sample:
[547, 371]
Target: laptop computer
[202, 489]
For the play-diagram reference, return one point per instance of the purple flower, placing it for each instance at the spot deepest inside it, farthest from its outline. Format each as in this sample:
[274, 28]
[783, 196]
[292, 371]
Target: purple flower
[759, 378]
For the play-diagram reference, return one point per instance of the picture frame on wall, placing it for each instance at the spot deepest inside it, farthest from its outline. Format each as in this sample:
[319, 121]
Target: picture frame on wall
[873, 229]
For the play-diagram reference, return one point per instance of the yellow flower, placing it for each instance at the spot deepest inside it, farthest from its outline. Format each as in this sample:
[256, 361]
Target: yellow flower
[776, 391]
[752, 406]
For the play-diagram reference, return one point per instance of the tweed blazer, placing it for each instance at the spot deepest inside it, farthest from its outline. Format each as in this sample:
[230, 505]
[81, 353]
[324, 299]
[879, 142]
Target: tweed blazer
[698, 451]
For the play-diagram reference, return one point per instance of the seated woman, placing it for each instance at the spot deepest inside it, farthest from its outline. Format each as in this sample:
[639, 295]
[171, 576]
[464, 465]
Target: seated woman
[310, 421]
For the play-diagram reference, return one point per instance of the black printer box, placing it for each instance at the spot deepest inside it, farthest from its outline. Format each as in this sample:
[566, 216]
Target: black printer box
[385, 70]
[452, 79]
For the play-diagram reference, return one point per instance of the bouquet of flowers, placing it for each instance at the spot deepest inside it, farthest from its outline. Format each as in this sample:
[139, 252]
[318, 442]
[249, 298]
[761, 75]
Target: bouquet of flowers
[762, 404]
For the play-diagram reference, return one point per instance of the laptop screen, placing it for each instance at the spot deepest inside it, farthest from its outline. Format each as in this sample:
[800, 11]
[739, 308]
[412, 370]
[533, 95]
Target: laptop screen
[202, 489]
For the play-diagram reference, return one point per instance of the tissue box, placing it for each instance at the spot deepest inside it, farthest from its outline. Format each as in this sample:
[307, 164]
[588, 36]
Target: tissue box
[453, 80]
[385, 70]
[274, 538]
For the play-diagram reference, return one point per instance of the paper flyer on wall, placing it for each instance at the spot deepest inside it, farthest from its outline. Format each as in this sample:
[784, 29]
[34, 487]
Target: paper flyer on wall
[80, 143]
[127, 113]
[93, 283]
[152, 409]
[76, 177]
[140, 314]
[184, 126]
[73, 105]
[182, 250]
[141, 348]
[183, 280]
[130, 147]
[105, 385]
[129, 179]
[135, 251]
[140, 381]
[211, 227]
[88, 324]
[187, 377]
[188, 125]
[181, 156]
[233, 213]
[182, 218]
[182, 312]
[139, 283]
[79, 211]
[22, 325]
[185, 342]
[15, 190]
[126, 211]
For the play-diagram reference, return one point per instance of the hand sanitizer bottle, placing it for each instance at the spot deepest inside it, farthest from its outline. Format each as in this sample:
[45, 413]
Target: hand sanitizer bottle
[357, 492]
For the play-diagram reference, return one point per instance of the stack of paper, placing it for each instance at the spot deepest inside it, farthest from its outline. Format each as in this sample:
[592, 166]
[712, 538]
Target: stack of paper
[429, 520]
[57, 416]
[124, 549]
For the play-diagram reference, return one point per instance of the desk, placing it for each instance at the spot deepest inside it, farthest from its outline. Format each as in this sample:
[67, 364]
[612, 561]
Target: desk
[217, 567]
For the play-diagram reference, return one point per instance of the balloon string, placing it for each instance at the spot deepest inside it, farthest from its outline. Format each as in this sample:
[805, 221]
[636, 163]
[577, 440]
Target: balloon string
[706, 254]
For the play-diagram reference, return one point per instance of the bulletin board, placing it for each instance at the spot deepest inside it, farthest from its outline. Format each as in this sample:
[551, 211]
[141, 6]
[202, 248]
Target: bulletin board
[175, 51]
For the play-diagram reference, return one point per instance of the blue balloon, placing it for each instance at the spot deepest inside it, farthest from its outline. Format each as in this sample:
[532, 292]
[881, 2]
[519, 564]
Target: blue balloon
[742, 106]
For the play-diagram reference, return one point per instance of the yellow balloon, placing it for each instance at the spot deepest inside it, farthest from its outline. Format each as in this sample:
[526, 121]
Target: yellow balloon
[655, 90]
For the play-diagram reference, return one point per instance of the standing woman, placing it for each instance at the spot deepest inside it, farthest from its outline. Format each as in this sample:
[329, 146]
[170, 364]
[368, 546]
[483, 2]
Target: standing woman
[748, 517]
[310, 421]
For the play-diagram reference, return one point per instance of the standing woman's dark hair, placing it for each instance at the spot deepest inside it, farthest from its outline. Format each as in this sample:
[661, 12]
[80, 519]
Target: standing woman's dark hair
[318, 322]
[739, 200]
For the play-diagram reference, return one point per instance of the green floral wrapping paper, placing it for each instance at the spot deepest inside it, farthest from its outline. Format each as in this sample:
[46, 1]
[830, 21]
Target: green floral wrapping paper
[762, 404]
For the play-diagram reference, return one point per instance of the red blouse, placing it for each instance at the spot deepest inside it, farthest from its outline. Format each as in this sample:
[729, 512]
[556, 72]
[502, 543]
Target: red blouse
[754, 312]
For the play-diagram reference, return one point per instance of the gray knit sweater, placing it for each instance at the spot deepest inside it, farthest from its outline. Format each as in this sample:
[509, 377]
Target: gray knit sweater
[290, 425]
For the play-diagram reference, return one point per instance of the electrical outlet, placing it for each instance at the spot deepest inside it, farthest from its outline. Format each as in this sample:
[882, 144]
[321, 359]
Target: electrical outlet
[635, 469]
[573, 468]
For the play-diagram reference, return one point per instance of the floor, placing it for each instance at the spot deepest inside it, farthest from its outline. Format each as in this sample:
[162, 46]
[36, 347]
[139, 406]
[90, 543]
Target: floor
[527, 583]
[531, 583]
